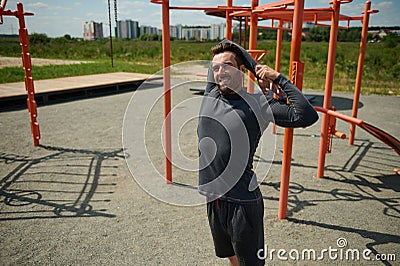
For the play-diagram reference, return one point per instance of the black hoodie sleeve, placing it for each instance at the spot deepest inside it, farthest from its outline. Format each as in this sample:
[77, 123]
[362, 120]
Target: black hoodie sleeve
[298, 112]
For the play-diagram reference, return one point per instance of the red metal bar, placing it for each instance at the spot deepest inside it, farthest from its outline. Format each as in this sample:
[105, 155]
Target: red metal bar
[240, 13]
[272, 28]
[246, 24]
[228, 21]
[257, 54]
[328, 86]
[350, 119]
[278, 4]
[288, 137]
[195, 8]
[3, 4]
[167, 89]
[232, 8]
[340, 135]
[27, 65]
[252, 42]
[240, 31]
[2, 7]
[260, 11]
[278, 55]
[374, 131]
[357, 88]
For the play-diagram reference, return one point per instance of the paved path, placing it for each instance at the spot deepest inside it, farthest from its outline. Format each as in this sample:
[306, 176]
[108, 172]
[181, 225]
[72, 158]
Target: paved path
[8, 90]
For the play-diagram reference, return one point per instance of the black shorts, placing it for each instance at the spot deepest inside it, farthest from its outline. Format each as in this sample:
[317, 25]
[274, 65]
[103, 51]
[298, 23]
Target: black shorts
[237, 229]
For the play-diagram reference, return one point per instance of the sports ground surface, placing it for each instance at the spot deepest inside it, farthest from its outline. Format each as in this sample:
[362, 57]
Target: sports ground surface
[74, 201]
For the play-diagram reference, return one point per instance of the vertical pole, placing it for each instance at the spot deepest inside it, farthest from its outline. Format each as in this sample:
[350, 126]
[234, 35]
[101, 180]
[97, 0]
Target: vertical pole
[330, 68]
[3, 4]
[27, 65]
[240, 31]
[278, 54]
[116, 19]
[228, 21]
[167, 89]
[115, 12]
[357, 89]
[288, 137]
[111, 43]
[252, 41]
[246, 23]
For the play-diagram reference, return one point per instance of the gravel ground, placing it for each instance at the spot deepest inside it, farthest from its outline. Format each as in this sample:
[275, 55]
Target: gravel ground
[73, 200]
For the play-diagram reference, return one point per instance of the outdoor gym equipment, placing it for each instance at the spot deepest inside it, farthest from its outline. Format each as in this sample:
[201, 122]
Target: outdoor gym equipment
[281, 13]
[26, 64]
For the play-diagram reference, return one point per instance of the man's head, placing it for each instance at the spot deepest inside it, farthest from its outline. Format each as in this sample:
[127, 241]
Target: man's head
[227, 67]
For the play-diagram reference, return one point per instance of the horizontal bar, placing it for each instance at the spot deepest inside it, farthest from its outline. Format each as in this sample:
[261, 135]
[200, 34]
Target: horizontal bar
[340, 135]
[221, 8]
[14, 13]
[273, 28]
[346, 118]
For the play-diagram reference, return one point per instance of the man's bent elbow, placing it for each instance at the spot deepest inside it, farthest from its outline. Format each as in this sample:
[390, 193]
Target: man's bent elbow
[310, 118]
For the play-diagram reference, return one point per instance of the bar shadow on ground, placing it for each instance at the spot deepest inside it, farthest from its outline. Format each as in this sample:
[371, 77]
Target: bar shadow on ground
[64, 183]
[360, 170]
[359, 179]
[340, 103]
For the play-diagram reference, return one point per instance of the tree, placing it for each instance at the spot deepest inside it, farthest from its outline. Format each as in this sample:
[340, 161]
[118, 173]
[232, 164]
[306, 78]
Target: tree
[40, 38]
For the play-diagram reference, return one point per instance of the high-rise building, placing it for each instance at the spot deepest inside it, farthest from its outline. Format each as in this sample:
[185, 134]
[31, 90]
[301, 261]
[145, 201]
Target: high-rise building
[176, 31]
[218, 31]
[92, 30]
[148, 30]
[199, 33]
[127, 29]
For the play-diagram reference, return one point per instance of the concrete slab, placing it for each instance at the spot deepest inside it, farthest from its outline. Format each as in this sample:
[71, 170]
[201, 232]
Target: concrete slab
[9, 90]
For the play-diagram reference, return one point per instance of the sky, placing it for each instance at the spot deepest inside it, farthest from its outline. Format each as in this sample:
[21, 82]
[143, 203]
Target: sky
[59, 17]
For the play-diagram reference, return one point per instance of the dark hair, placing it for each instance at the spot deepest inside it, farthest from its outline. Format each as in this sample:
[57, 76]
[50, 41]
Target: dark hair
[228, 47]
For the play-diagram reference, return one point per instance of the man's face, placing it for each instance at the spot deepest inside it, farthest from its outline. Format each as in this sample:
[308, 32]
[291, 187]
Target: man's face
[226, 72]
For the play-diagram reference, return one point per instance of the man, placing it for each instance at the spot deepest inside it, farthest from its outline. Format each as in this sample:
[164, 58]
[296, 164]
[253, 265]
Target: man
[231, 123]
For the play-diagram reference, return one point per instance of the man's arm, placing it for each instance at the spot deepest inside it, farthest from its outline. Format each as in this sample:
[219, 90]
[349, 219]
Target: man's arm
[298, 112]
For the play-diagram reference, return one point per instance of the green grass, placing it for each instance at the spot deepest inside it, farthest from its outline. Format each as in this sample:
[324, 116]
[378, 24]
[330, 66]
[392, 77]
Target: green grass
[380, 76]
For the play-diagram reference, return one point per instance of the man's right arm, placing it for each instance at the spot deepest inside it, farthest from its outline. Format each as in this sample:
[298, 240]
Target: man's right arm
[298, 112]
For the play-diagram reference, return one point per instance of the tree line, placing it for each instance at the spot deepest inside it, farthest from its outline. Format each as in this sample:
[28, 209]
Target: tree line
[322, 34]
[315, 34]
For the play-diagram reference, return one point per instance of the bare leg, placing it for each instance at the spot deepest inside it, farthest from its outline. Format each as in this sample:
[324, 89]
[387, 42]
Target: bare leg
[233, 261]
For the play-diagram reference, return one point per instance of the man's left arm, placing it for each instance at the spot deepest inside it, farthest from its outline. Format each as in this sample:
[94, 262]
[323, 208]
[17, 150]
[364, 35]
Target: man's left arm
[298, 112]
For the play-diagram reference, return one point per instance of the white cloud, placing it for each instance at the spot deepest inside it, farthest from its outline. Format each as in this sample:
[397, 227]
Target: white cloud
[37, 5]
[352, 9]
[122, 5]
[383, 5]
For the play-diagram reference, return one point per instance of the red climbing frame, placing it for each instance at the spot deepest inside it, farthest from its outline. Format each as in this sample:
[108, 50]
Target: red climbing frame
[26, 64]
[279, 11]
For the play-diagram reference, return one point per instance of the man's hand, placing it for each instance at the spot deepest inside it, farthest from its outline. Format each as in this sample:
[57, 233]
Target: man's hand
[267, 75]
